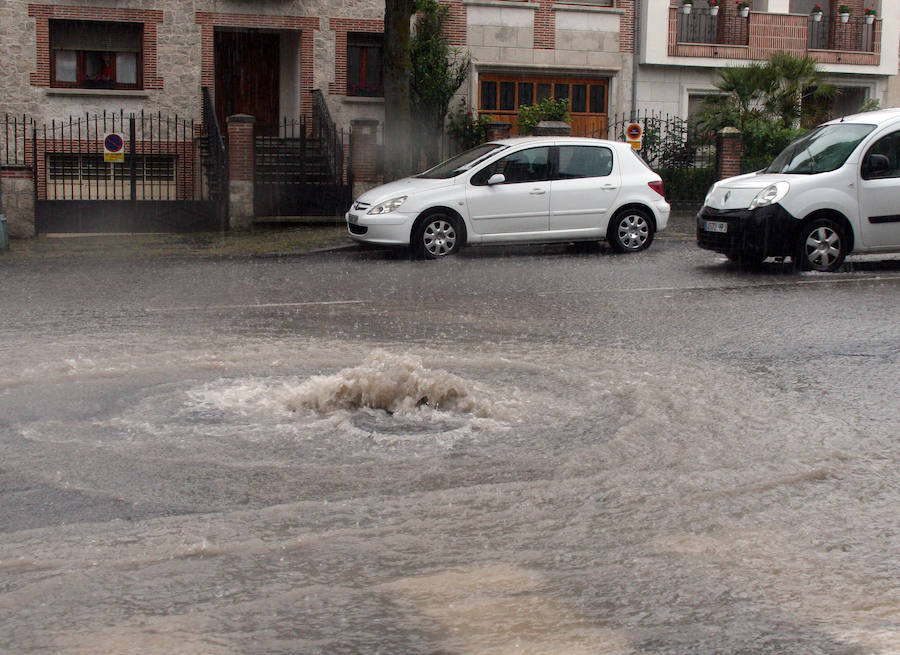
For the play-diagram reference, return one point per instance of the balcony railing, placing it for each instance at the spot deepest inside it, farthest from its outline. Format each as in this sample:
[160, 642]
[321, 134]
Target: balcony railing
[700, 26]
[701, 34]
[856, 35]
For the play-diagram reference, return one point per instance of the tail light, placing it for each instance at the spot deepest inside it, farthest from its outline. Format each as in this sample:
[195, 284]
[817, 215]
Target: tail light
[658, 187]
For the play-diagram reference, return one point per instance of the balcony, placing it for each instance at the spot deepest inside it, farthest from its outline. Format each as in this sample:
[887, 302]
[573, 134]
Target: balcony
[729, 36]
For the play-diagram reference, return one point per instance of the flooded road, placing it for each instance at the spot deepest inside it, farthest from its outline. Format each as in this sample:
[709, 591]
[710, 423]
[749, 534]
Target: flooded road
[538, 452]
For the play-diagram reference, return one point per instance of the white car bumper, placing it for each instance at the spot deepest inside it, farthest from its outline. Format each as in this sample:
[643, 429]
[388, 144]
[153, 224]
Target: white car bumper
[388, 229]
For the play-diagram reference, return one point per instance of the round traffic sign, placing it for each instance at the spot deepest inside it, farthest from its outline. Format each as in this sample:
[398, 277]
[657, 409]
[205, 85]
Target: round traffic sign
[633, 132]
[113, 143]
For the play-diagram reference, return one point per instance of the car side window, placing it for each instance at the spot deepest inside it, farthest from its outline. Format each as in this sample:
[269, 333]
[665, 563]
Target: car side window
[874, 164]
[584, 161]
[529, 165]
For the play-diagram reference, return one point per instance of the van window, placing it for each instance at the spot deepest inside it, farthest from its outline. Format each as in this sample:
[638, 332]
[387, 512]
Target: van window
[824, 149]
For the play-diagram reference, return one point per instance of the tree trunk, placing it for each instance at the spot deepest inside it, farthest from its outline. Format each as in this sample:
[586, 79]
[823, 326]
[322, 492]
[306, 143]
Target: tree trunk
[397, 116]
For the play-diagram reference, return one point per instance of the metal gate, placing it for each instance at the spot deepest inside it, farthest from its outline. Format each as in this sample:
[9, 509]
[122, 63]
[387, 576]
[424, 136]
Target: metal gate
[118, 172]
[303, 171]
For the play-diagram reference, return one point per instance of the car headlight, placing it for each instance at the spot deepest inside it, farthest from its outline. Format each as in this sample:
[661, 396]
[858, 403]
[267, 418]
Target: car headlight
[387, 206]
[770, 195]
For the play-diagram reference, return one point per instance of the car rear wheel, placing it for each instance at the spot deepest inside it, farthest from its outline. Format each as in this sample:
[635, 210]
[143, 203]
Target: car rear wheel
[437, 235]
[631, 230]
[820, 246]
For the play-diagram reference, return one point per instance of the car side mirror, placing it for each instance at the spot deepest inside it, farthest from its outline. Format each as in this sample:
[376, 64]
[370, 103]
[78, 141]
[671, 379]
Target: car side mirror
[497, 178]
[875, 165]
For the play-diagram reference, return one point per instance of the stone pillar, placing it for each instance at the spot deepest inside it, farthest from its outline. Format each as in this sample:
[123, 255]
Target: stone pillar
[496, 130]
[728, 153]
[364, 155]
[18, 201]
[240, 171]
[553, 128]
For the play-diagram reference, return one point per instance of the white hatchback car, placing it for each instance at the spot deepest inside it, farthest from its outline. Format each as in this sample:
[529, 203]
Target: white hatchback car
[832, 192]
[527, 189]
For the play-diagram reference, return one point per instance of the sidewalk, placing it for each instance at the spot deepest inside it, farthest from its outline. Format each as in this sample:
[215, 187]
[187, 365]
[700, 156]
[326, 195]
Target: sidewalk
[311, 235]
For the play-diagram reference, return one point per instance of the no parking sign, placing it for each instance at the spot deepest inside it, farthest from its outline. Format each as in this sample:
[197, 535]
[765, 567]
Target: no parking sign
[633, 134]
[114, 147]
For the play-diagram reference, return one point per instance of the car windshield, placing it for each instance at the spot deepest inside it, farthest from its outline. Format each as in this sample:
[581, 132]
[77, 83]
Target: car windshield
[824, 149]
[461, 162]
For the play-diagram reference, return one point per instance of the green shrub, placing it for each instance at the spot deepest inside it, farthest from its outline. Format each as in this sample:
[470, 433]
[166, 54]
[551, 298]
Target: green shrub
[468, 129]
[545, 110]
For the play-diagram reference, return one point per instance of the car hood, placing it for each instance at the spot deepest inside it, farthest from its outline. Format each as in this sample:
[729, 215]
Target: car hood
[738, 192]
[403, 187]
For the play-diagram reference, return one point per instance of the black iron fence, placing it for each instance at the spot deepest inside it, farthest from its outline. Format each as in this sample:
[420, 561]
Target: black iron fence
[118, 156]
[18, 131]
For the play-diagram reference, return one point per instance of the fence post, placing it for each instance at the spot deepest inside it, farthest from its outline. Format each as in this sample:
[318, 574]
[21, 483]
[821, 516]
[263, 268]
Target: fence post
[496, 130]
[729, 150]
[364, 155]
[240, 171]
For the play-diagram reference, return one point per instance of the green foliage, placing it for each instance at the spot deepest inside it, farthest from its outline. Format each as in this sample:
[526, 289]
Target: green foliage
[545, 110]
[687, 186]
[467, 129]
[437, 71]
[770, 103]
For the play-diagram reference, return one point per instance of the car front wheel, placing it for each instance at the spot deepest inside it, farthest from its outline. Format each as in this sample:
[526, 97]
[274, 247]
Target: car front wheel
[436, 236]
[821, 246]
[631, 230]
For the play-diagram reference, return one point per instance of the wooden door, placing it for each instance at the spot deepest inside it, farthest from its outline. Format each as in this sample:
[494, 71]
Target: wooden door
[247, 72]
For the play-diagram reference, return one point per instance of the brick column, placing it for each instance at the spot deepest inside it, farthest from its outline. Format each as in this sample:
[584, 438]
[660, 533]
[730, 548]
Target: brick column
[364, 155]
[240, 171]
[728, 153]
[496, 130]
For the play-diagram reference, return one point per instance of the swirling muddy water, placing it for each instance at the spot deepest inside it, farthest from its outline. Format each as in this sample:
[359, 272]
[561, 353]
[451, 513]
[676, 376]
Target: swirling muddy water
[316, 497]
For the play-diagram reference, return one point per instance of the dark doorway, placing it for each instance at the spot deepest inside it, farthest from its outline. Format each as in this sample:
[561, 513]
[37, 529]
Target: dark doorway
[247, 71]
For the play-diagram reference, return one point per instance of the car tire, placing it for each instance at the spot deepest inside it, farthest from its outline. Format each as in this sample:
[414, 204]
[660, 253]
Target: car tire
[435, 236]
[631, 230]
[820, 246]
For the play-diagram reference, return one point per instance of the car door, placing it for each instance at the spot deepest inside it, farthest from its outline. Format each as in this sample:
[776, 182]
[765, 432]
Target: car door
[879, 193]
[584, 188]
[519, 203]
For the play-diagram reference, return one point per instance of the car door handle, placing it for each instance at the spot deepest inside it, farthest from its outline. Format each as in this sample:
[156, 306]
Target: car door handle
[538, 192]
[609, 187]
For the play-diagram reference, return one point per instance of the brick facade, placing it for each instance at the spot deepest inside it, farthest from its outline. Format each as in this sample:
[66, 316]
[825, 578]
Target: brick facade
[341, 27]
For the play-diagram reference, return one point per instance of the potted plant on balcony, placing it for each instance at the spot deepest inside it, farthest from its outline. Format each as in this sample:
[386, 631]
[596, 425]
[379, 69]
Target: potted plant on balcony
[743, 9]
[713, 7]
[687, 5]
[816, 13]
[844, 12]
[870, 16]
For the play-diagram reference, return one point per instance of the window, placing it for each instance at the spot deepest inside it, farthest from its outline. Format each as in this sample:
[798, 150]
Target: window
[889, 149]
[531, 165]
[96, 55]
[364, 71]
[583, 161]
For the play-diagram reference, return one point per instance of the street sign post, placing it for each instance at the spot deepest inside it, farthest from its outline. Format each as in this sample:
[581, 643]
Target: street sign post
[633, 134]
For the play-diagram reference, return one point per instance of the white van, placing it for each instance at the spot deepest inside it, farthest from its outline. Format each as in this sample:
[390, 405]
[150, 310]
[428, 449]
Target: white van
[832, 192]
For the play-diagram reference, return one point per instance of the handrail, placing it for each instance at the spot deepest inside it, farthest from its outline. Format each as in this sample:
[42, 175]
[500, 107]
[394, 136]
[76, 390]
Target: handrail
[323, 127]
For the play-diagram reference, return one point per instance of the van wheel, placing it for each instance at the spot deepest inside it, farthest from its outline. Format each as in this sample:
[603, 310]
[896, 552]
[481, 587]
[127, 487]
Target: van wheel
[436, 236]
[630, 230]
[820, 246]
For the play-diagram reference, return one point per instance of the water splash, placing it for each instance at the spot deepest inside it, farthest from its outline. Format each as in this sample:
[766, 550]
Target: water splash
[396, 384]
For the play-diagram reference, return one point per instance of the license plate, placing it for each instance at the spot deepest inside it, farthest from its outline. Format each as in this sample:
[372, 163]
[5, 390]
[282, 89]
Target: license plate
[715, 226]
[353, 218]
